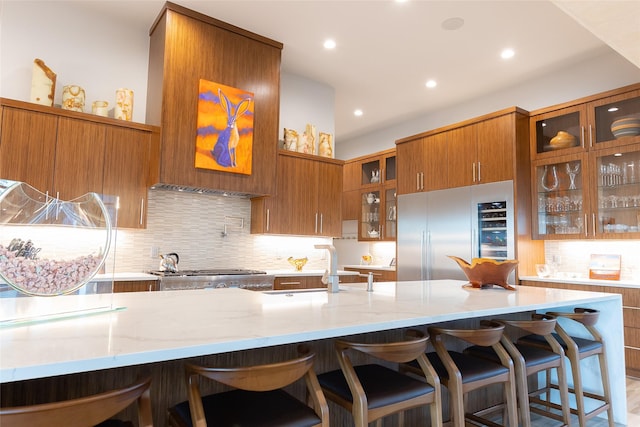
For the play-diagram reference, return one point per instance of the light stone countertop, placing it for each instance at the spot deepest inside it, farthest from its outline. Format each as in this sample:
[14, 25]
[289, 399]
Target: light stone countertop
[303, 272]
[129, 277]
[160, 326]
[372, 267]
[584, 281]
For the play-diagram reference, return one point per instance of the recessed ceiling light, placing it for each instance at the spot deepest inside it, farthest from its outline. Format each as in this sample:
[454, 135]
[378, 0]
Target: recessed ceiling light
[612, 109]
[452, 24]
[358, 113]
[329, 44]
[431, 83]
[507, 53]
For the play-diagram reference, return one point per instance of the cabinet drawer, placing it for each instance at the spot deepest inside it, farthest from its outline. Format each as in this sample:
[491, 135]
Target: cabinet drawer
[632, 337]
[631, 317]
[135, 286]
[632, 361]
[298, 282]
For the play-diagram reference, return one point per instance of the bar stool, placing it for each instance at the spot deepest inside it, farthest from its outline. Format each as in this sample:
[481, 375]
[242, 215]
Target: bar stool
[577, 349]
[257, 397]
[373, 391]
[462, 373]
[84, 411]
[529, 360]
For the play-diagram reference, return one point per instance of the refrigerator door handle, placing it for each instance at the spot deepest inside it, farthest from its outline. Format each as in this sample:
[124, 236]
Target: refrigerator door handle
[428, 256]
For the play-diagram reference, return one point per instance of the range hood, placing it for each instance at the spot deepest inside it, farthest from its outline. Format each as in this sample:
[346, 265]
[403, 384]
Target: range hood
[200, 190]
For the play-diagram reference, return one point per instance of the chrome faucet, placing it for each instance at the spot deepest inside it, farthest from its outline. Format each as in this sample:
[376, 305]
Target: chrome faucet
[332, 278]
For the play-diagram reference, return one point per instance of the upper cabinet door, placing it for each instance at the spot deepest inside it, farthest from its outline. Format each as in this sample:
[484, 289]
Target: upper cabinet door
[79, 158]
[558, 132]
[496, 147]
[27, 147]
[411, 166]
[614, 121]
[461, 153]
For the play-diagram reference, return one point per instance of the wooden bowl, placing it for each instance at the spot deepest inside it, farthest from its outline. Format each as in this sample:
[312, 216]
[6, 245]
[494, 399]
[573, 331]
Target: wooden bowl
[486, 272]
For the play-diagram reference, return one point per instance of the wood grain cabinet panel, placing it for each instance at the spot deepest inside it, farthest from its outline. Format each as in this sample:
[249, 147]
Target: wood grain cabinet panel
[27, 147]
[79, 158]
[187, 46]
[308, 200]
[69, 154]
[378, 275]
[135, 285]
[298, 282]
[128, 164]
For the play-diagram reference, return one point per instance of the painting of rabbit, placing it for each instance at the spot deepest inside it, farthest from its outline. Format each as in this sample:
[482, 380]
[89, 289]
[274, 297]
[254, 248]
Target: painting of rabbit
[224, 138]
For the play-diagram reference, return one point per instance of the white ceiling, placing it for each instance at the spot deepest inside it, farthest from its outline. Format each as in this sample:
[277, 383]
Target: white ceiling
[386, 51]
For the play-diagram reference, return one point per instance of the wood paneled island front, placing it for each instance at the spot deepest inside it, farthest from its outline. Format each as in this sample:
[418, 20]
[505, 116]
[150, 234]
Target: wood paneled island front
[156, 332]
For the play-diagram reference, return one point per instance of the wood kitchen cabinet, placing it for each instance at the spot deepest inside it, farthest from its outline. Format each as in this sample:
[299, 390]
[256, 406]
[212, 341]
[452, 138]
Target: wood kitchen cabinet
[482, 152]
[590, 188]
[27, 146]
[79, 159]
[67, 154]
[379, 275]
[369, 195]
[298, 282]
[630, 313]
[307, 202]
[585, 123]
[130, 168]
[135, 285]
[485, 149]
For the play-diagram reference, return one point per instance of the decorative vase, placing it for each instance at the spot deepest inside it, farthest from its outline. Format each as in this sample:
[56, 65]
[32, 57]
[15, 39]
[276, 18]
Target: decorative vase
[43, 84]
[550, 181]
[73, 98]
[124, 104]
[100, 108]
[49, 246]
[297, 263]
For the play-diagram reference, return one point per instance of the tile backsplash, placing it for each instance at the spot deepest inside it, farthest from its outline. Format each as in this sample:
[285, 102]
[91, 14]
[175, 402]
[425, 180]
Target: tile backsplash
[192, 225]
[572, 257]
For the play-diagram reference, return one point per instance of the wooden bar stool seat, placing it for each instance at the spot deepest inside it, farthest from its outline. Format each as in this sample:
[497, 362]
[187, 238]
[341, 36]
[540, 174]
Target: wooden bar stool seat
[256, 399]
[577, 349]
[529, 360]
[462, 373]
[92, 410]
[372, 391]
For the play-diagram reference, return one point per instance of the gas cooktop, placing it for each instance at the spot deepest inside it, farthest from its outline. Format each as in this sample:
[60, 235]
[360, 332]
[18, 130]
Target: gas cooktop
[209, 272]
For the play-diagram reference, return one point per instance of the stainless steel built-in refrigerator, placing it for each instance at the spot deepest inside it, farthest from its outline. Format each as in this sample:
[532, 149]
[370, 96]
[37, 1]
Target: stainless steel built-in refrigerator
[468, 222]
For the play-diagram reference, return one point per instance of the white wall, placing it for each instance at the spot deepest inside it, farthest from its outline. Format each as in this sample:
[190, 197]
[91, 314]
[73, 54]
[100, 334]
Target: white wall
[605, 72]
[305, 101]
[94, 52]
[101, 55]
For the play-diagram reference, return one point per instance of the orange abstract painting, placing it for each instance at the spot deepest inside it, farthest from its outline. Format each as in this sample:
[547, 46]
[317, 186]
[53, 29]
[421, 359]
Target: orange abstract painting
[224, 139]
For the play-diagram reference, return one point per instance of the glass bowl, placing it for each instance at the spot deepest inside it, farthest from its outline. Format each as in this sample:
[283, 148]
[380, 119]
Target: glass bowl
[50, 246]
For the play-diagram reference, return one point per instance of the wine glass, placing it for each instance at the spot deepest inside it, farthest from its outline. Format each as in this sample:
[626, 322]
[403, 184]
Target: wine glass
[573, 171]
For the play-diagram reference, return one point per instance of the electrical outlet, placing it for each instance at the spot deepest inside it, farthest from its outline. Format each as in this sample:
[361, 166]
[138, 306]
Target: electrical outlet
[155, 251]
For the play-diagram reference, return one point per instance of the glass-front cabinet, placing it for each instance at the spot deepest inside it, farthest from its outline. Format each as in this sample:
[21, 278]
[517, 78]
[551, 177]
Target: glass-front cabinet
[558, 132]
[378, 215]
[602, 121]
[617, 203]
[560, 198]
[615, 121]
[379, 170]
[595, 195]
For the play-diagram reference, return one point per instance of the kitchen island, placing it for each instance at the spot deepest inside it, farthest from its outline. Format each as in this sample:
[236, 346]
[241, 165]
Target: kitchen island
[157, 331]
